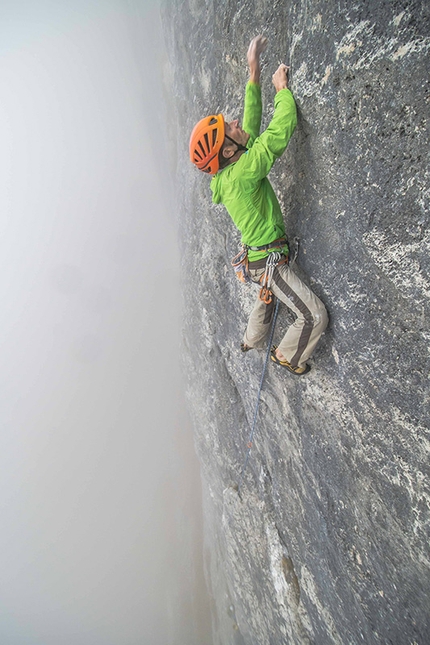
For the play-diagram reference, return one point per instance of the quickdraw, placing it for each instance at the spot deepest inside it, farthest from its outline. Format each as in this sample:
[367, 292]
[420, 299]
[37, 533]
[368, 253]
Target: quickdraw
[274, 259]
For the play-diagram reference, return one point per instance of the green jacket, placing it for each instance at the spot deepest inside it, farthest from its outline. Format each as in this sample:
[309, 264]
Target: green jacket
[243, 186]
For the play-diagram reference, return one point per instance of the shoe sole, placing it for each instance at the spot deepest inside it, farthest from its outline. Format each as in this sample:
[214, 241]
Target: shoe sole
[276, 360]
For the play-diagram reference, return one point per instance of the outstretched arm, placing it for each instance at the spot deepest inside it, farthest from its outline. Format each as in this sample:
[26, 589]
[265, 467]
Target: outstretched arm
[272, 142]
[256, 48]
[252, 110]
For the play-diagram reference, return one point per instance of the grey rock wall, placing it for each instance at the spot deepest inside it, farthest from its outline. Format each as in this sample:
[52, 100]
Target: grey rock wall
[329, 540]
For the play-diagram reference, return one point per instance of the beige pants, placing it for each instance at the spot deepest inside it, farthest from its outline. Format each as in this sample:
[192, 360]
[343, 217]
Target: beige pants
[303, 335]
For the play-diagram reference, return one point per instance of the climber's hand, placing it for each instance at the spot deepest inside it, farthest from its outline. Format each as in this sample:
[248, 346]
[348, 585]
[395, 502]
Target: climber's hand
[280, 77]
[255, 49]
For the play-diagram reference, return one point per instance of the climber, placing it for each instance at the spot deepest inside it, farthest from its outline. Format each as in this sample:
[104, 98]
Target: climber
[239, 160]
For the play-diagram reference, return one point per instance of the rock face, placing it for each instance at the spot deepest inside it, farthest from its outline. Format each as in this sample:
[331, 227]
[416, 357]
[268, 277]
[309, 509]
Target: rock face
[328, 541]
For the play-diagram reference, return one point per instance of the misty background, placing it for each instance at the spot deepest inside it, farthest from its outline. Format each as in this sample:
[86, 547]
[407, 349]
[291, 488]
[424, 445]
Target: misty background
[100, 526]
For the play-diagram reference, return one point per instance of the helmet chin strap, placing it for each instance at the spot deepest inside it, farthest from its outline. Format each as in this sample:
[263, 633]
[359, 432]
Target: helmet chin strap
[239, 146]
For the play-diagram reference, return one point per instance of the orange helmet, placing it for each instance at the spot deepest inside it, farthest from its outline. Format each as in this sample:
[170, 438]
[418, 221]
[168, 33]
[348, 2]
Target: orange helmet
[205, 143]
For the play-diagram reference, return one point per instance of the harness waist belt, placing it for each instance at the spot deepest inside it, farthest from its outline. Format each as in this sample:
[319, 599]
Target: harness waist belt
[260, 264]
[273, 245]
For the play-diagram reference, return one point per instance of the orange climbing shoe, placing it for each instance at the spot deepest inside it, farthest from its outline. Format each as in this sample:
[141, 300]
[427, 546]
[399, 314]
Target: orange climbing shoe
[298, 371]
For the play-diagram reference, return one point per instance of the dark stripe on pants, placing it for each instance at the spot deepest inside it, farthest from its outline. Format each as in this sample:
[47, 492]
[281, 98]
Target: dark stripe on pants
[309, 321]
[269, 312]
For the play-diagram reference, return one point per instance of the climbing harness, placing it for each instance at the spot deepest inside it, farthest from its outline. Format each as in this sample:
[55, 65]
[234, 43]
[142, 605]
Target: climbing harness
[254, 421]
[240, 261]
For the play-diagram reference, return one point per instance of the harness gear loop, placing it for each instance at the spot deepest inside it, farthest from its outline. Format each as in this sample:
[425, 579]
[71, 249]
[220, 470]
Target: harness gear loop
[240, 265]
[293, 250]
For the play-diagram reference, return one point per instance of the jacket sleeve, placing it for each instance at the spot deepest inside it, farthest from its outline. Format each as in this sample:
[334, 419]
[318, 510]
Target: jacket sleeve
[252, 111]
[256, 164]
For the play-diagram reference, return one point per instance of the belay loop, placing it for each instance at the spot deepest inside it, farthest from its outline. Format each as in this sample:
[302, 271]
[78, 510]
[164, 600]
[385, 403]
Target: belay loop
[273, 259]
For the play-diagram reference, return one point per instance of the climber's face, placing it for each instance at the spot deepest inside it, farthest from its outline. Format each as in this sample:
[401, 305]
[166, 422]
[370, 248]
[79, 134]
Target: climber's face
[234, 131]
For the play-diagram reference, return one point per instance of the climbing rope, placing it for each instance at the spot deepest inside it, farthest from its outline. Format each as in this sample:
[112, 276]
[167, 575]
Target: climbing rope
[254, 422]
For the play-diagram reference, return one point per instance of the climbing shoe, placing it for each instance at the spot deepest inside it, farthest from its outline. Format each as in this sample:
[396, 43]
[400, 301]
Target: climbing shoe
[244, 347]
[298, 371]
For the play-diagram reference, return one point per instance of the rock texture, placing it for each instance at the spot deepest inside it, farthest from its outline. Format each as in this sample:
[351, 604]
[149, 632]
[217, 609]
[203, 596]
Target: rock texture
[329, 540]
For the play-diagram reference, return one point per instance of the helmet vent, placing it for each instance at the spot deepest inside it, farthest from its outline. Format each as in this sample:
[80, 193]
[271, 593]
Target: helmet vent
[206, 138]
[213, 121]
[201, 148]
[214, 136]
